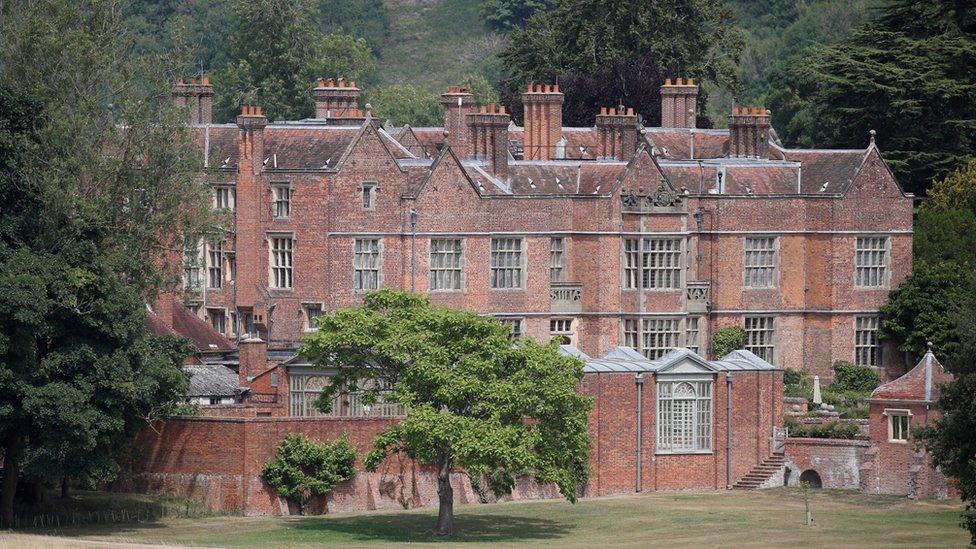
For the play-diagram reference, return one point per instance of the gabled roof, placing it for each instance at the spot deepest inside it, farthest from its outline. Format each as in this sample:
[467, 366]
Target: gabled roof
[211, 380]
[678, 360]
[921, 383]
[186, 324]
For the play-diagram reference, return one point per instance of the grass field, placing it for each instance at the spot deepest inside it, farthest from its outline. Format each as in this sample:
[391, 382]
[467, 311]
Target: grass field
[769, 518]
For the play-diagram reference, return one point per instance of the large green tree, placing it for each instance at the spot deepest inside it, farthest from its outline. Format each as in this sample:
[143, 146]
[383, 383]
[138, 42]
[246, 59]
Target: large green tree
[275, 53]
[908, 74]
[98, 184]
[474, 399]
[621, 50]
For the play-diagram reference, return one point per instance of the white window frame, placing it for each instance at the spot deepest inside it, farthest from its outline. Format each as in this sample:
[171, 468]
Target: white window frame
[902, 432]
[659, 335]
[445, 268]
[515, 323]
[230, 266]
[557, 259]
[223, 314]
[866, 342]
[225, 198]
[281, 261]
[871, 261]
[693, 326]
[631, 263]
[563, 328]
[509, 274]
[281, 195]
[308, 321]
[760, 335]
[361, 268]
[215, 265]
[760, 261]
[685, 415]
[662, 263]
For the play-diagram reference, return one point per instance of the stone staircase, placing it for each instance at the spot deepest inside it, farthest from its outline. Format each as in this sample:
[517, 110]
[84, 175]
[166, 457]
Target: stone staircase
[761, 473]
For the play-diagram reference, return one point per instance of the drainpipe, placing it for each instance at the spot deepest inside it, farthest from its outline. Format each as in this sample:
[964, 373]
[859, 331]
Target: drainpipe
[728, 430]
[639, 382]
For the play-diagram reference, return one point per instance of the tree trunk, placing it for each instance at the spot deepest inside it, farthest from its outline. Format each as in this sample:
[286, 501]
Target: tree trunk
[445, 495]
[11, 470]
[64, 487]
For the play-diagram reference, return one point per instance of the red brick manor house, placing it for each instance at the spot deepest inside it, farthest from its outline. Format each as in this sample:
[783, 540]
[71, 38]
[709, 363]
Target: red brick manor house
[630, 243]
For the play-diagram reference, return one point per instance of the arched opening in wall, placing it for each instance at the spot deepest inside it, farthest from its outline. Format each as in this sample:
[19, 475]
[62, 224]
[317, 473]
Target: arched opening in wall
[811, 478]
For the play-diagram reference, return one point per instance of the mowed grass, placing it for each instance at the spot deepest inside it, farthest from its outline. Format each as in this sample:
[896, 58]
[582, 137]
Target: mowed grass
[769, 518]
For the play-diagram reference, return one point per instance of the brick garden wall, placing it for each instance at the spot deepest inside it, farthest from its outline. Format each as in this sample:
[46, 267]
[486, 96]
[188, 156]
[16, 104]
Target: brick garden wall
[836, 461]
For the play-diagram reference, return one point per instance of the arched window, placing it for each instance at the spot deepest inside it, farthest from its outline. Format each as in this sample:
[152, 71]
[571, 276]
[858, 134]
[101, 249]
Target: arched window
[684, 416]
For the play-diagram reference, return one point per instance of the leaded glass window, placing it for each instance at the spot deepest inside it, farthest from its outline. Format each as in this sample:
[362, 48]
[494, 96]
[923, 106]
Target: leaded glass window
[661, 263]
[684, 416]
[760, 262]
[366, 264]
[871, 261]
[281, 261]
[866, 349]
[759, 336]
[506, 262]
[658, 336]
[445, 264]
[557, 259]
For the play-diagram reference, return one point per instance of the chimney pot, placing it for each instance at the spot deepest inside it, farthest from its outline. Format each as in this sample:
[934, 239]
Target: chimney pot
[501, 110]
[680, 81]
[667, 81]
[331, 83]
[691, 81]
[630, 111]
[179, 82]
[352, 84]
[320, 83]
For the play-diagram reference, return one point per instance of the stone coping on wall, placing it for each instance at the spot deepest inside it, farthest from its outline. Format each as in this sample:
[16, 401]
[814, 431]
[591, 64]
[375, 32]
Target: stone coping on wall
[805, 441]
[282, 419]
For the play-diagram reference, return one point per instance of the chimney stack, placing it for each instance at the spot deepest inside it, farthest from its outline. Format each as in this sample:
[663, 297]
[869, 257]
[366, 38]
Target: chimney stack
[252, 123]
[488, 136]
[679, 100]
[749, 132]
[543, 121]
[617, 131]
[335, 98]
[251, 207]
[197, 98]
[458, 103]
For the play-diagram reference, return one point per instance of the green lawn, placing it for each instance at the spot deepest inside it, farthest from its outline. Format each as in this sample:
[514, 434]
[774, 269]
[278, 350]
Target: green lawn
[720, 519]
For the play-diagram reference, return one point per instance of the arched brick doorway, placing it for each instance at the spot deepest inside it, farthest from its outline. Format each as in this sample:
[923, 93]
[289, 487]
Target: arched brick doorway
[812, 478]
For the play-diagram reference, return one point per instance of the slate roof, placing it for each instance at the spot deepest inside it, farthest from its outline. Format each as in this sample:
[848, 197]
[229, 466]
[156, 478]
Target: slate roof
[186, 324]
[627, 360]
[921, 383]
[685, 143]
[211, 380]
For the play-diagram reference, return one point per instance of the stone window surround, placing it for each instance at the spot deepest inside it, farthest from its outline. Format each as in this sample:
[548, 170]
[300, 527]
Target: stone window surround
[694, 379]
[379, 263]
[643, 244]
[307, 326]
[877, 342]
[277, 198]
[775, 266]
[272, 265]
[371, 187]
[523, 253]
[463, 260]
[890, 414]
[222, 310]
[770, 329]
[886, 274]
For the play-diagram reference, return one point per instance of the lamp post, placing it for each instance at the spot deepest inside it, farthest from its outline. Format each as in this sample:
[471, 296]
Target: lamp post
[413, 249]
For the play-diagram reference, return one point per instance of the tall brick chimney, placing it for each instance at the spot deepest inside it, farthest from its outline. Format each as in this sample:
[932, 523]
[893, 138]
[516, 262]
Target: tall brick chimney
[488, 135]
[543, 121]
[749, 132]
[251, 256]
[617, 131]
[458, 103]
[679, 101]
[335, 98]
[197, 98]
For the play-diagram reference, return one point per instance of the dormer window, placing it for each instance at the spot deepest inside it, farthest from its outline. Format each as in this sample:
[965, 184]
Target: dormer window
[281, 201]
[368, 195]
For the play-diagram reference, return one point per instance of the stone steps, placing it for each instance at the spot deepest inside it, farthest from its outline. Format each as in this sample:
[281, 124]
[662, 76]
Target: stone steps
[760, 473]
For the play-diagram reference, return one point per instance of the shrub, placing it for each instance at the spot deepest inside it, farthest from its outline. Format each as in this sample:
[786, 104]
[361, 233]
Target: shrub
[726, 340]
[304, 468]
[850, 377]
[831, 429]
[792, 377]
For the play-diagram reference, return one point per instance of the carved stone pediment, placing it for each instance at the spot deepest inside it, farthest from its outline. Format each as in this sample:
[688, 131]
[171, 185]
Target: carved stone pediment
[644, 200]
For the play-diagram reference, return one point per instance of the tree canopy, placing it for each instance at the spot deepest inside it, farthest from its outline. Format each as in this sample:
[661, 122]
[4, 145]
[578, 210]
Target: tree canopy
[907, 74]
[626, 46]
[474, 398]
[98, 182]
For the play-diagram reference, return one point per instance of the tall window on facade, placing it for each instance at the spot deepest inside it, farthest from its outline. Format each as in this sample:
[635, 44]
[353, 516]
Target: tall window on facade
[693, 333]
[234, 325]
[632, 333]
[562, 329]
[310, 311]
[218, 319]
[866, 349]
[684, 416]
[514, 323]
[759, 336]
[281, 261]
[215, 261]
[368, 191]
[899, 425]
[281, 201]
[659, 335]
[192, 266]
[631, 263]
[366, 264]
[760, 262]
[662, 263]
[506, 262]
[871, 261]
[557, 259]
[225, 198]
[445, 264]
[230, 266]
[246, 327]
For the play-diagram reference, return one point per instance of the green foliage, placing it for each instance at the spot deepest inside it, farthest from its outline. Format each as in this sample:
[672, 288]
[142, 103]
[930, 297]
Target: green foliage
[921, 309]
[958, 190]
[907, 74]
[945, 236]
[474, 399]
[405, 104]
[160, 26]
[626, 47]
[952, 441]
[507, 14]
[851, 377]
[366, 19]
[830, 429]
[484, 92]
[275, 53]
[726, 340]
[848, 403]
[792, 377]
[303, 468]
[82, 237]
